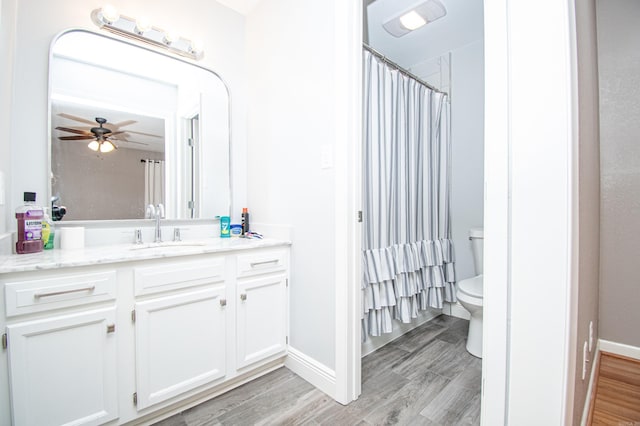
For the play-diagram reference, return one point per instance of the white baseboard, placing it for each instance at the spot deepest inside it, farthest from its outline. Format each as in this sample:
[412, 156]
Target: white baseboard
[319, 375]
[374, 343]
[619, 349]
[456, 310]
[613, 348]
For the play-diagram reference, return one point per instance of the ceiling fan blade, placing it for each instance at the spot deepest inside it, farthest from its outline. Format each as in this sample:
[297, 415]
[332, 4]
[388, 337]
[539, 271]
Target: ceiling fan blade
[121, 139]
[76, 138]
[123, 123]
[76, 131]
[76, 118]
[128, 141]
[144, 134]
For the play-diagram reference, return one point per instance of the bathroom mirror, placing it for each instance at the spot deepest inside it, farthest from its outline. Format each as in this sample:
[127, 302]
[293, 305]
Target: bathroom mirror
[130, 126]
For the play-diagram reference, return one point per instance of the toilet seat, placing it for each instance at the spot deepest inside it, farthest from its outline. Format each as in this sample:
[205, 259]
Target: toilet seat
[472, 286]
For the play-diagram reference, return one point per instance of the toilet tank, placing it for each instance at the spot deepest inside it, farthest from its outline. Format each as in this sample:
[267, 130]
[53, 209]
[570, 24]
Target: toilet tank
[476, 235]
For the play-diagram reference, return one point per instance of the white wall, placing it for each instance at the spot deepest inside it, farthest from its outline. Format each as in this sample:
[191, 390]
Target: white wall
[290, 124]
[38, 21]
[7, 27]
[303, 171]
[467, 136]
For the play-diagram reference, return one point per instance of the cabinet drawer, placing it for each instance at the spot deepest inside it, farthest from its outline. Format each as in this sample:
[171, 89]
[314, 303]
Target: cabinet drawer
[174, 276]
[261, 262]
[38, 295]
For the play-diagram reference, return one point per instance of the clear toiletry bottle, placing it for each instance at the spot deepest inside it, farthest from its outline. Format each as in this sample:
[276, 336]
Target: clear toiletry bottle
[48, 231]
[29, 217]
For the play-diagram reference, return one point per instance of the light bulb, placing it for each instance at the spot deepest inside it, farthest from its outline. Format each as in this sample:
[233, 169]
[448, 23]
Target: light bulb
[412, 20]
[94, 145]
[110, 13]
[170, 36]
[196, 46]
[143, 25]
[106, 146]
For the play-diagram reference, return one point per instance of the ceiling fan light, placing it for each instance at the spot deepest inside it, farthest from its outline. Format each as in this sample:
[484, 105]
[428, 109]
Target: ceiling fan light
[106, 146]
[109, 13]
[94, 145]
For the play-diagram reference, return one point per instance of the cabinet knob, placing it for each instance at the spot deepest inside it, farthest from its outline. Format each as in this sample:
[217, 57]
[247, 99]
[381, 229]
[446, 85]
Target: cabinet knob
[223, 302]
[243, 296]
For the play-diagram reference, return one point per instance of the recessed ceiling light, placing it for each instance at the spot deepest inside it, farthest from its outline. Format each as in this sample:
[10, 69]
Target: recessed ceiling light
[414, 18]
[412, 21]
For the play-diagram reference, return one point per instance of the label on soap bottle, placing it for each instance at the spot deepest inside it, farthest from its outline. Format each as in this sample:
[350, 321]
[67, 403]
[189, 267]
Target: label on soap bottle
[225, 227]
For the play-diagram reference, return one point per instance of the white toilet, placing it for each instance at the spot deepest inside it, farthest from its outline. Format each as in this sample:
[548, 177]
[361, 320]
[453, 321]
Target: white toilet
[469, 294]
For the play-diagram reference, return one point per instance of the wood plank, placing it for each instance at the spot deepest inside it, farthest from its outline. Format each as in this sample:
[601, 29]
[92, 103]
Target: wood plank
[617, 395]
[622, 369]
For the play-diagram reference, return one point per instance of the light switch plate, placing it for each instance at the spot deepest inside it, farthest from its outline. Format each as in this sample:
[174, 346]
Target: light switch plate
[326, 157]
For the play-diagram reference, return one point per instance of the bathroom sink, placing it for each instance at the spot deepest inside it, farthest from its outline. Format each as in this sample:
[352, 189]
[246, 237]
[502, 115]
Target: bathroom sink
[168, 244]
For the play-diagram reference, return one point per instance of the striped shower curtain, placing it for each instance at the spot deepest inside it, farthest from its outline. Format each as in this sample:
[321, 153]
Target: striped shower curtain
[408, 255]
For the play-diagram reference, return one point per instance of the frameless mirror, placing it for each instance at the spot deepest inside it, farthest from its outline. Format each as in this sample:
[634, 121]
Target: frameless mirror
[131, 127]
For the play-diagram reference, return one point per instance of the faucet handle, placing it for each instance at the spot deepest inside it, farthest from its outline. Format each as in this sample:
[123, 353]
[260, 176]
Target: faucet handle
[160, 210]
[150, 212]
[137, 236]
[176, 234]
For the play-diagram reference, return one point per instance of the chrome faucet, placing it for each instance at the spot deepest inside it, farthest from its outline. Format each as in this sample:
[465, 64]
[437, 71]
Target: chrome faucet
[159, 213]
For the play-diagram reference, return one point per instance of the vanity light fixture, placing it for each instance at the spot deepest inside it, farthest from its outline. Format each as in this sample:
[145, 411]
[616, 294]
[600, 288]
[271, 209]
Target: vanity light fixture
[414, 18]
[109, 19]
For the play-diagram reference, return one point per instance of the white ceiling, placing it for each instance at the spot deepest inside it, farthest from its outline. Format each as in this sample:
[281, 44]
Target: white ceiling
[463, 24]
[241, 6]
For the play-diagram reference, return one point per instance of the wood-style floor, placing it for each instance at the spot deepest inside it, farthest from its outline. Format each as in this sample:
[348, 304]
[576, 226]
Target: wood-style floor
[425, 377]
[617, 392]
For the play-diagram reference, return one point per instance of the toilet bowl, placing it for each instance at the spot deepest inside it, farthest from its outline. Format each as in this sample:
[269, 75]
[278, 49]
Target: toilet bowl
[469, 294]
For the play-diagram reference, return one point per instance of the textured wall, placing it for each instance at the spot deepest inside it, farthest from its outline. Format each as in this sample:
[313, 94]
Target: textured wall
[619, 62]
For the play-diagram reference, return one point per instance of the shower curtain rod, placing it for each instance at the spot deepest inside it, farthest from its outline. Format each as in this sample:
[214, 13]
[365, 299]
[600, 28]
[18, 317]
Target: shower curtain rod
[401, 70]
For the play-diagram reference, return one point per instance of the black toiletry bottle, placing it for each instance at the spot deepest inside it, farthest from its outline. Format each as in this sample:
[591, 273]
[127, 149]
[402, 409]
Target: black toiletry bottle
[245, 220]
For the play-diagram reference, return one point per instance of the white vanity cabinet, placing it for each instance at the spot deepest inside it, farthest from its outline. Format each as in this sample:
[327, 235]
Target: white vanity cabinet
[136, 340]
[181, 330]
[261, 294]
[62, 365]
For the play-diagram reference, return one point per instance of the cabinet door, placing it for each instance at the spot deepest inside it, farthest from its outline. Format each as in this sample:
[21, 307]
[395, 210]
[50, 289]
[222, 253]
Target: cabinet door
[63, 369]
[180, 343]
[261, 318]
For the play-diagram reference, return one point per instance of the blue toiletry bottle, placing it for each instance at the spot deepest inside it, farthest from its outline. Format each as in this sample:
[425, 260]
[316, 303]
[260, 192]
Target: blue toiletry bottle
[225, 227]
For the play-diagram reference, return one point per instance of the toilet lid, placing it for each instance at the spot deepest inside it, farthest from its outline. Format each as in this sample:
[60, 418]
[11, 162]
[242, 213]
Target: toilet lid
[471, 286]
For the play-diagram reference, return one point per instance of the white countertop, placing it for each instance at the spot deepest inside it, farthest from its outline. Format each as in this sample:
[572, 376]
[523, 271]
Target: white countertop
[58, 258]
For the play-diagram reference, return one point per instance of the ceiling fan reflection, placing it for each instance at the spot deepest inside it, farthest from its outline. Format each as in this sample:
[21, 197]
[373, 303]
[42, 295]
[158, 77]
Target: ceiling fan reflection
[103, 136]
